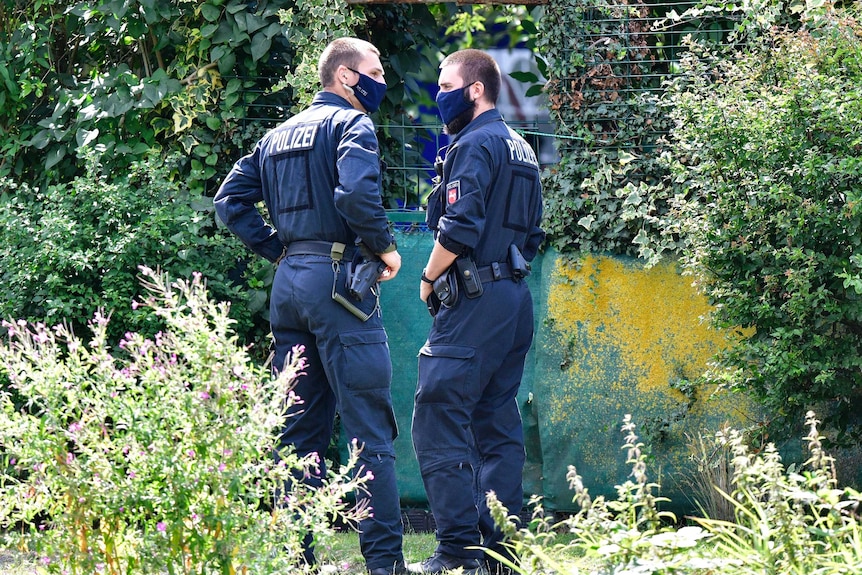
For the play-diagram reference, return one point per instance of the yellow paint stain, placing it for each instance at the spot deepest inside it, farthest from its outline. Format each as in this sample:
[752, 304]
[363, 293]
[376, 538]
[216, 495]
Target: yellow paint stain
[627, 331]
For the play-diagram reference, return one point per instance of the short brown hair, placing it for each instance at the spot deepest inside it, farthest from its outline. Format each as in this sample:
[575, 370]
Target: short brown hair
[342, 52]
[477, 66]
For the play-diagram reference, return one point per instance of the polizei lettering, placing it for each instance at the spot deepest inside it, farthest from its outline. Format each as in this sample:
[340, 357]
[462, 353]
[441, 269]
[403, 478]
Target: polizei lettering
[521, 153]
[292, 139]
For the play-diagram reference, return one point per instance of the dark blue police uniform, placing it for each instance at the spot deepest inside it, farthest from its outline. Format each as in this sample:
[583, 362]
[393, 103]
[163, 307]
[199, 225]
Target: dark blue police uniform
[466, 421]
[318, 175]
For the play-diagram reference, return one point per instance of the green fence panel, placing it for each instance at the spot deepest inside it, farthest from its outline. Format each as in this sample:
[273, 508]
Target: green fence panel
[616, 338]
[611, 338]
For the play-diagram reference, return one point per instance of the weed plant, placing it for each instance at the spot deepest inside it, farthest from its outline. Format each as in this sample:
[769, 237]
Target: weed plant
[786, 522]
[159, 456]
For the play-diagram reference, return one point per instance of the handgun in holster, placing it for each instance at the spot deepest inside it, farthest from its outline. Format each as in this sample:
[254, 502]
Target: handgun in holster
[363, 273]
[444, 293]
[520, 266]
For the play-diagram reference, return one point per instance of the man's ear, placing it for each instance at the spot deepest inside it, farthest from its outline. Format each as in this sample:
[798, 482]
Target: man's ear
[477, 90]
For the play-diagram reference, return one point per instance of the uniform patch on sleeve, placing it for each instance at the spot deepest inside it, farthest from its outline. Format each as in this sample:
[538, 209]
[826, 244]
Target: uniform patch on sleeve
[453, 191]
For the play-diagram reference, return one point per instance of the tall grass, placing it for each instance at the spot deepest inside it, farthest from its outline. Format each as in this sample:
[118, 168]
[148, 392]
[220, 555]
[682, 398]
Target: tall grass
[783, 522]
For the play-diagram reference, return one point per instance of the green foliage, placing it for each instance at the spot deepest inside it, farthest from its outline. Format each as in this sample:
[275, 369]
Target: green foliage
[409, 57]
[787, 521]
[608, 192]
[768, 147]
[160, 458]
[604, 201]
[92, 96]
[70, 249]
[793, 521]
[312, 24]
[123, 78]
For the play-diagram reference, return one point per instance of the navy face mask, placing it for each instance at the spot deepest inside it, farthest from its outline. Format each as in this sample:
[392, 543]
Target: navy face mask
[368, 91]
[453, 103]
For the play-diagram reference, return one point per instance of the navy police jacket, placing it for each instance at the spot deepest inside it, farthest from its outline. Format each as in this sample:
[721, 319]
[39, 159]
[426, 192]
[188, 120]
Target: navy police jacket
[318, 174]
[490, 195]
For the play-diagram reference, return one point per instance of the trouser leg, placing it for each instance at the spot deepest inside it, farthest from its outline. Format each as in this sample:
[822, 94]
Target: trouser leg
[308, 429]
[446, 393]
[498, 430]
[357, 354]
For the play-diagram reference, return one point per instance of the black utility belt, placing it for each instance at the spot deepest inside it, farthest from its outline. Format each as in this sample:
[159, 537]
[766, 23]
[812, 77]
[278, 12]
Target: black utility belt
[363, 271]
[471, 277]
[495, 272]
[335, 250]
[464, 275]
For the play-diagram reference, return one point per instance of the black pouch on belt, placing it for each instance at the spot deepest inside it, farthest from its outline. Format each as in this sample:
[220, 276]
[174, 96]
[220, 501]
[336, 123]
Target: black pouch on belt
[446, 289]
[469, 276]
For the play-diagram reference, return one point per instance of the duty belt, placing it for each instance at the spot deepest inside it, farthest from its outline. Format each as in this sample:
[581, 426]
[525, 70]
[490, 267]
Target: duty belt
[316, 248]
[494, 272]
[335, 251]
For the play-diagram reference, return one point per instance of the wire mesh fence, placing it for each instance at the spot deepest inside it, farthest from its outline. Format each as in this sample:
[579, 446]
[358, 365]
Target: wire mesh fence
[625, 52]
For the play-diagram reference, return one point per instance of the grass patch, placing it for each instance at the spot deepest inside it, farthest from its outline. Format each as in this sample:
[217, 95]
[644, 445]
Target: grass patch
[344, 555]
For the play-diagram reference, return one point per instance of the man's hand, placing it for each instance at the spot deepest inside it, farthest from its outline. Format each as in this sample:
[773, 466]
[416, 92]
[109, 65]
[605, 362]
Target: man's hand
[425, 290]
[393, 264]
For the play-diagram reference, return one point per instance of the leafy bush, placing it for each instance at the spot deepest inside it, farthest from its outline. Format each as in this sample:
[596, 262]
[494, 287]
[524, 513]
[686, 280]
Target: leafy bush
[160, 457]
[124, 79]
[768, 147]
[71, 249]
[793, 521]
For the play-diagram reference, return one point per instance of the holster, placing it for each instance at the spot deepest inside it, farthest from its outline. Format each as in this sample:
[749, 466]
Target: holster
[444, 292]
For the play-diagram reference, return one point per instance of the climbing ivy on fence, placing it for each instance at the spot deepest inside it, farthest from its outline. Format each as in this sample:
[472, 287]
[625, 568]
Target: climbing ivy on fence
[605, 67]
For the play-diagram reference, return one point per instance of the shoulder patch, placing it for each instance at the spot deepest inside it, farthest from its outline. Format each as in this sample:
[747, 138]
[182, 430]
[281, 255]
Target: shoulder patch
[453, 192]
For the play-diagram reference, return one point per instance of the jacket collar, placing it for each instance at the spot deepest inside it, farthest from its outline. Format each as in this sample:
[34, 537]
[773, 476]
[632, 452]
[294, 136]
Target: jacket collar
[330, 98]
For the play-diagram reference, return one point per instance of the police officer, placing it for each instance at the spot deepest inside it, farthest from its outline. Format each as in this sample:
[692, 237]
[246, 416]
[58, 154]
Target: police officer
[318, 174]
[486, 214]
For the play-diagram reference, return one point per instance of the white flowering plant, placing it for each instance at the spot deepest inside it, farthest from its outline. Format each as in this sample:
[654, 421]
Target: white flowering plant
[159, 456]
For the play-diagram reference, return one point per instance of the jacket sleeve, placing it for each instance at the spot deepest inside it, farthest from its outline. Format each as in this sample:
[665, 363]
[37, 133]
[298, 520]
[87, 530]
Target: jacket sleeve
[357, 194]
[236, 205]
[536, 236]
[465, 194]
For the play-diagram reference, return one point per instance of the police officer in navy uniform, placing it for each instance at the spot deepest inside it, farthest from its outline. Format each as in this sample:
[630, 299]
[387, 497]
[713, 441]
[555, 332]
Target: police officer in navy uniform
[486, 214]
[318, 174]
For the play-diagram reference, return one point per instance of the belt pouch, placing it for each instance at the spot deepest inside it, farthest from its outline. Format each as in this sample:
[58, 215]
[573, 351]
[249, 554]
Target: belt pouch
[469, 276]
[445, 288]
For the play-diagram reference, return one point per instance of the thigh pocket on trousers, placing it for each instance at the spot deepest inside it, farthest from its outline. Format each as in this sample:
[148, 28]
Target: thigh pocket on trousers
[366, 359]
[447, 374]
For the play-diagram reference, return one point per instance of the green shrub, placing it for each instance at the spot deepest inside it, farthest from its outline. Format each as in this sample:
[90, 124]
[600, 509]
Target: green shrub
[768, 146]
[71, 249]
[160, 457]
[609, 191]
[787, 520]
